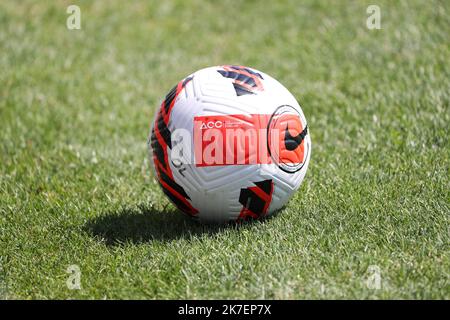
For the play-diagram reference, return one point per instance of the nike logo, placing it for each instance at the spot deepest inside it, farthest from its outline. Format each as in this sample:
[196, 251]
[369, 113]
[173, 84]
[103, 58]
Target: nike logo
[292, 143]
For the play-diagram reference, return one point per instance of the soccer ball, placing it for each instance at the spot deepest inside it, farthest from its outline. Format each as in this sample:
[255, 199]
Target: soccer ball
[229, 143]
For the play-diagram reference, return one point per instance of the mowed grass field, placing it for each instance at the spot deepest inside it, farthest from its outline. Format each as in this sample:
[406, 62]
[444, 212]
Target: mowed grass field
[75, 183]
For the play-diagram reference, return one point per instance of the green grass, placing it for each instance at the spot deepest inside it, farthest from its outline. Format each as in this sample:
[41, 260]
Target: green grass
[75, 185]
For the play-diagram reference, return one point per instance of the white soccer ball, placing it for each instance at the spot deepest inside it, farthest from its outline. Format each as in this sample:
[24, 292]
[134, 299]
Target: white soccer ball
[229, 143]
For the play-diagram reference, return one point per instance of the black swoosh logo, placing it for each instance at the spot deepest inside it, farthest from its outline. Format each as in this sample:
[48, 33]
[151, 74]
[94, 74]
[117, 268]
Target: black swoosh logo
[292, 143]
